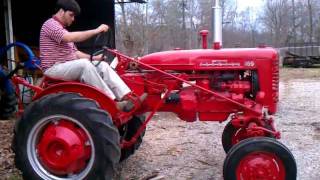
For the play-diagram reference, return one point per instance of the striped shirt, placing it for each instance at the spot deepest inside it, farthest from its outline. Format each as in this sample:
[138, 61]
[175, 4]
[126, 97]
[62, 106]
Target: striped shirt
[52, 48]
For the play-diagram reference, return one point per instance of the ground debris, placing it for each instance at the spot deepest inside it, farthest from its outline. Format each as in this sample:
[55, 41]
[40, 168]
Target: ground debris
[205, 162]
[153, 176]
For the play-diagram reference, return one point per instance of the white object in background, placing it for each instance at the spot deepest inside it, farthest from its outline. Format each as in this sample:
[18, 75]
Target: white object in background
[114, 63]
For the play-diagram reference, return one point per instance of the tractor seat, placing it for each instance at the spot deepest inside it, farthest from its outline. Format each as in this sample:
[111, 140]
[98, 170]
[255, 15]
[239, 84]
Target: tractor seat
[46, 81]
[50, 79]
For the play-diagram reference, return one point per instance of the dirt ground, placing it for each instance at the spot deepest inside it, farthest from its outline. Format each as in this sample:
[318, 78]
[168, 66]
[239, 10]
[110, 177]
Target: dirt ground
[173, 149]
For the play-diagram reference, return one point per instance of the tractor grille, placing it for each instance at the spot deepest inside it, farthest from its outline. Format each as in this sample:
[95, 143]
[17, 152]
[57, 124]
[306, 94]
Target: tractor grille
[275, 81]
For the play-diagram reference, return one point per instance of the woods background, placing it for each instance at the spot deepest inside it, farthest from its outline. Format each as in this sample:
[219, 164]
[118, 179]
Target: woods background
[166, 24]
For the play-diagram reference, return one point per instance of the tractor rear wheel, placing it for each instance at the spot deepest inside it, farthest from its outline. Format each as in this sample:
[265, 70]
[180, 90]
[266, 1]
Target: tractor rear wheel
[259, 158]
[66, 136]
[128, 132]
[232, 135]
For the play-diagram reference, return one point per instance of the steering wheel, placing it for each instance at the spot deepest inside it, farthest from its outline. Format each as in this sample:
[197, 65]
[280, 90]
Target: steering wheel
[106, 55]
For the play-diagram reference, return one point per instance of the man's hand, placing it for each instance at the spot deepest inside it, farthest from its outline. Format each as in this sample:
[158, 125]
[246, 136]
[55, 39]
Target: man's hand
[102, 28]
[99, 57]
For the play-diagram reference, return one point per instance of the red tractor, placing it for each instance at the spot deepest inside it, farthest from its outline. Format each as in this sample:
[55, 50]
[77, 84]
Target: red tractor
[71, 130]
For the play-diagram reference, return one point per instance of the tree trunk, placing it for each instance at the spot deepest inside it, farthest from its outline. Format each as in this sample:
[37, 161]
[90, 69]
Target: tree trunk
[310, 21]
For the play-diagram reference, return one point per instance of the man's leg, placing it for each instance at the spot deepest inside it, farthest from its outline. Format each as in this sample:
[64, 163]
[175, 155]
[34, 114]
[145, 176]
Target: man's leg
[113, 80]
[82, 70]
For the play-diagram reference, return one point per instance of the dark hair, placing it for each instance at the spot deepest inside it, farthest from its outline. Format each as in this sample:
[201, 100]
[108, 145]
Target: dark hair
[69, 5]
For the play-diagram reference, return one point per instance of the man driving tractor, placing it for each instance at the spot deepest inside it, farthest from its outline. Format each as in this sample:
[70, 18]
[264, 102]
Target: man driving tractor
[60, 58]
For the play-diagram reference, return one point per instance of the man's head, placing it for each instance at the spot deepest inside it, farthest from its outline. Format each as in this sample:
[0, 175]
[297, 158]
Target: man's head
[67, 10]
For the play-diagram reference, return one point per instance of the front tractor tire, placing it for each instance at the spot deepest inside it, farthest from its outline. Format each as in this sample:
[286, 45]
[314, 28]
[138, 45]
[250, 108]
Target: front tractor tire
[259, 158]
[66, 136]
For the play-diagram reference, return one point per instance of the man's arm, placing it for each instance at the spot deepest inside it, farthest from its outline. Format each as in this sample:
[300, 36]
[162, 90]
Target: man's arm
[80, 36]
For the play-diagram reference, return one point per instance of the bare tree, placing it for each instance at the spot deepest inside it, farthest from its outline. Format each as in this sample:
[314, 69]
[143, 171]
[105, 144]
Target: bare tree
[229, 11]
[310, 21]
[124, 29]
[293, 29]
[276, 21]
[167, 24]
[194, 10]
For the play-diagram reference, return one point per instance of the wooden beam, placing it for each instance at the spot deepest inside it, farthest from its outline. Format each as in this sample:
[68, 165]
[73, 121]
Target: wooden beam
[9, 31]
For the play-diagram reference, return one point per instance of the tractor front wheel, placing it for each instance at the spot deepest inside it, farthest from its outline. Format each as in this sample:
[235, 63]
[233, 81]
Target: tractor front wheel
[66, 136]
[232, 135]
[259, 158]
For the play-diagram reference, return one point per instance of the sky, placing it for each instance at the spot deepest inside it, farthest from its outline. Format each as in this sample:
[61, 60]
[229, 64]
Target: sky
[243, 4]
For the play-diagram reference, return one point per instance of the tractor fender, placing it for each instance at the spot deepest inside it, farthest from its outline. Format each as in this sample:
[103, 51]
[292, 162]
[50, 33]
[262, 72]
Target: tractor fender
[90, 92]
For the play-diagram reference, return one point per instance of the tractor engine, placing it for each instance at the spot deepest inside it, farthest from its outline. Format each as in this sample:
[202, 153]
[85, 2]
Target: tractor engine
[246, 76]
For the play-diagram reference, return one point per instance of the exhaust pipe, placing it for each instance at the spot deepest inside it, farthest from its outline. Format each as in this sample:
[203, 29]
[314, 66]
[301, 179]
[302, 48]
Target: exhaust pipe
[217, 24]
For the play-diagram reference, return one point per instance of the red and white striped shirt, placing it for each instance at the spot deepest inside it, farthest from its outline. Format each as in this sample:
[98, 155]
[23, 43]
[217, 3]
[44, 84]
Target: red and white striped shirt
[52, 48]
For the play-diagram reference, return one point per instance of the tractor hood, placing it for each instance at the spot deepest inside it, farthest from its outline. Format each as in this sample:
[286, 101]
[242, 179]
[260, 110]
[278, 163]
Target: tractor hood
[202, 59]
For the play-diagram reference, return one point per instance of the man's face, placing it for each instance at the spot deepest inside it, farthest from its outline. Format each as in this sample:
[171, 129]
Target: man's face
[68, 18]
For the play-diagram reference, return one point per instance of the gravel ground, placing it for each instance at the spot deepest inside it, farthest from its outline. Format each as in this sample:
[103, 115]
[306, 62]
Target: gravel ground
[173, 149]
[299, 122]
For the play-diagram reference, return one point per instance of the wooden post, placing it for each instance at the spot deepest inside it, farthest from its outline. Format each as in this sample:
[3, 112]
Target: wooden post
[9, 31]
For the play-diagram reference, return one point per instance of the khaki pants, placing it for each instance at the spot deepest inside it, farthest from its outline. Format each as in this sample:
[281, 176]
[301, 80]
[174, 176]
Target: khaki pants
[102, 77]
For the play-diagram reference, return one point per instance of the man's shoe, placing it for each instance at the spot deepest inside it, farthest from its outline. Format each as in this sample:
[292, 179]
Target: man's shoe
[125, 105]
[143, 97]
[128, 105]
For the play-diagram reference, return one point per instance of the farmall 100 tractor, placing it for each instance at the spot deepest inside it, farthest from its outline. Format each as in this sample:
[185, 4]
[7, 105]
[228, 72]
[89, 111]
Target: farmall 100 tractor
[72, 130]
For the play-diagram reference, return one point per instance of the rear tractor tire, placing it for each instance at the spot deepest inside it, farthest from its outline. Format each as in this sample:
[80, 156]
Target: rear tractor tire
[259, 158]
[66, 136]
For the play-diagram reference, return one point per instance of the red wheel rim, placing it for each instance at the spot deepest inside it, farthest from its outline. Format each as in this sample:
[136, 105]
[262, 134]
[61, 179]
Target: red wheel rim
[240, 135]
[63, 148]
[262, 166]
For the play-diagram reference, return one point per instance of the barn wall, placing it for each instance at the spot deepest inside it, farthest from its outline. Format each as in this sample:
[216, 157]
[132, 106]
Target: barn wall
[28, 18]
